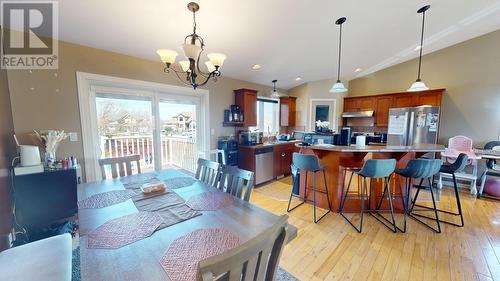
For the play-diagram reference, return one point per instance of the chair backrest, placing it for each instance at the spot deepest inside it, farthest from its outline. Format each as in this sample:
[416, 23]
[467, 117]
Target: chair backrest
[233, 180]
[120, 166]
[423, 168]
[208, 171]
[460, 143]
[256, 259]
[492, 145]
[306, 162]
[460, 163]
[378, 168]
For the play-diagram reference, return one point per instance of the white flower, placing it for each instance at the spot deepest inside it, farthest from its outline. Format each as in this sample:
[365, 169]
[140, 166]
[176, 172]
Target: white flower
[323, 124]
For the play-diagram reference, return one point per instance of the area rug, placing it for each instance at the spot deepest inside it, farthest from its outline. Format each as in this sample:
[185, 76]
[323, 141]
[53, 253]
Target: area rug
[282, 275]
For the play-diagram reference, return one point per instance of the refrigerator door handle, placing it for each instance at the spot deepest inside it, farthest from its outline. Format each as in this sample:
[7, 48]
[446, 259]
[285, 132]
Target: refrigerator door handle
[410, 129]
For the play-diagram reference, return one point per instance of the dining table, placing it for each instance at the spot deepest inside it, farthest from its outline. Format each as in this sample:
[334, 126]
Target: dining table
[140, 260]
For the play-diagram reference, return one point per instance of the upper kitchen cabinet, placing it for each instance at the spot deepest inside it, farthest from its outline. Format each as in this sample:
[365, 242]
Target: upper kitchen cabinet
[381, 104]
[288, 111]
[246, 99]
[353, 104]
[382, 110]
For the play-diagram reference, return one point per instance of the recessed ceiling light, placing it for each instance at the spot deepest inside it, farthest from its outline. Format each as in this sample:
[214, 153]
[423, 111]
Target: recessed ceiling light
[256, 66]
[298, 79]
[358, 69]
[417, 48]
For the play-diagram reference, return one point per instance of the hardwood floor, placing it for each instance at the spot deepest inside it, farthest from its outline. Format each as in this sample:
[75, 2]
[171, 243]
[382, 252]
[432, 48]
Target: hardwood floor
[333, 250]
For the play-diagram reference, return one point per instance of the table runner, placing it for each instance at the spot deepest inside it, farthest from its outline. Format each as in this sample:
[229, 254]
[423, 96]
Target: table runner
[181, 259]
[168, 204]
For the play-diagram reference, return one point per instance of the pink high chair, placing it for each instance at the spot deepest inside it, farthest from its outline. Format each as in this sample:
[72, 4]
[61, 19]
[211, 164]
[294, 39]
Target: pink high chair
[457, 145]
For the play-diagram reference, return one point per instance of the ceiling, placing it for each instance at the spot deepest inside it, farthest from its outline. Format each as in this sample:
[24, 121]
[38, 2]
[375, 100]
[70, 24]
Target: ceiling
[288, 38]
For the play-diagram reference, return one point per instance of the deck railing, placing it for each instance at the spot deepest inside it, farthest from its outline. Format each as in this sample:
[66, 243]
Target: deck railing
[175, 150]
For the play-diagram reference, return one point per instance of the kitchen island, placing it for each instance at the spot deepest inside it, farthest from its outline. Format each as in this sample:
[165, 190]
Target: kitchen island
[337, 158]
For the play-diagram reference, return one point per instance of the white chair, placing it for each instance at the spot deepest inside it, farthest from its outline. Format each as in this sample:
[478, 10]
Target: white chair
[46, 259]
[216, 153]
[457, 145]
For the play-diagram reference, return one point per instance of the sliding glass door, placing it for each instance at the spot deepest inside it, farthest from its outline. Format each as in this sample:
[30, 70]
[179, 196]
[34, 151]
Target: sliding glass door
[161, 128]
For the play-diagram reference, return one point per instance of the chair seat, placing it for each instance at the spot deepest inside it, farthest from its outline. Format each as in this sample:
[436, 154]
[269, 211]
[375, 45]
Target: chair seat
[494, 173]
[446, 169]
[47, 259]
[403, 172]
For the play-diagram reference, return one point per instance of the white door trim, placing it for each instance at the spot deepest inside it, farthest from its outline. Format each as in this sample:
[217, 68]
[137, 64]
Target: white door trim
[333, 118]
[88, 83]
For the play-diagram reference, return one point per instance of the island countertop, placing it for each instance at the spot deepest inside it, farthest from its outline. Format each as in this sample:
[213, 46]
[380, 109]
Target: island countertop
[377, 148]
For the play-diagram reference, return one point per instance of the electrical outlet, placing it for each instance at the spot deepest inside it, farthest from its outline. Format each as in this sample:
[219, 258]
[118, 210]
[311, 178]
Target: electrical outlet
[73, 136]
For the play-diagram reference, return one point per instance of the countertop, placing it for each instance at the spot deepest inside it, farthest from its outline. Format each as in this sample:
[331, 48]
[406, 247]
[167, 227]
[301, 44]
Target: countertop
[378, 148]
[268, 144]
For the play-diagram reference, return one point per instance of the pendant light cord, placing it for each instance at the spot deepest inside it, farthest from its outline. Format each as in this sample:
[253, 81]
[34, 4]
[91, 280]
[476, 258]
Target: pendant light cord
[421, 46]
[340, 48]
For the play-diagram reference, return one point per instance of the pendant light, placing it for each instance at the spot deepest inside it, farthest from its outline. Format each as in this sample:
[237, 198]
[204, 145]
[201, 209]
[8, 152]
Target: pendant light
[419, 85]
[275, 93]
[338, 87]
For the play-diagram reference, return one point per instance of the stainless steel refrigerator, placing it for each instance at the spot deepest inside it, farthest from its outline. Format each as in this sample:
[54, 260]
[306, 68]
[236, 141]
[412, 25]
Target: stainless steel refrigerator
[413, 125]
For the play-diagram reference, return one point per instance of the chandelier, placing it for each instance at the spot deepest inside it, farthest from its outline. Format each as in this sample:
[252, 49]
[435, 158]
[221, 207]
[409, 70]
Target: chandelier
[193, 47]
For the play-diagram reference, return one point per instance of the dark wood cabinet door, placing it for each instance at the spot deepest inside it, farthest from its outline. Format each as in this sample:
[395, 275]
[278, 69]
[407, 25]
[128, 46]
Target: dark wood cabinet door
[403, 101]
[366, 104]
[351, 105]
[429, 99]
[284, 112]
[247, 100]
[382, 110]
[292, 111]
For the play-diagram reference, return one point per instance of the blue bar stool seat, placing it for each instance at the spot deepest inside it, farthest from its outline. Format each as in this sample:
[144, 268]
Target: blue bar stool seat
[308, 163]
[373, 169]
[457, 166]
[419, 169]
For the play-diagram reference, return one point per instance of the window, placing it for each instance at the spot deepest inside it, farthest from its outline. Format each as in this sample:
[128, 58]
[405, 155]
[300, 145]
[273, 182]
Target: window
[267, 116]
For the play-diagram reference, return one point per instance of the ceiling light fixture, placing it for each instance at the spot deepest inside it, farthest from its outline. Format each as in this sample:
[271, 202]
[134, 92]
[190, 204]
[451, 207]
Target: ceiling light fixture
[275, 93]
[298, 79]
[418, 85]
[256, 66]
[338, 87]
[193, 47]
[357, 69]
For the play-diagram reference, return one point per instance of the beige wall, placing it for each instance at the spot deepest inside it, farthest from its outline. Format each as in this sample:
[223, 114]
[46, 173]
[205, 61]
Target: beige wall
[470, 72]
[315, 90]
[47, 99]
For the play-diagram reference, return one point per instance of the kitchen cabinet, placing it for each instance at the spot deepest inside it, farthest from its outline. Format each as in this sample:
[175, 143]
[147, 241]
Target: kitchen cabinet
[403, 101]
[351, 104]
[288, 111]
[283, 159]
[366, 104]
[381, 104]
[382, 110]
[246, 99]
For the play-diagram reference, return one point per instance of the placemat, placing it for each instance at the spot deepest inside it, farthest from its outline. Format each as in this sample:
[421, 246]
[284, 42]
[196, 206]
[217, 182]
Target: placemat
[210, 201]
[181, 259]
[124, 230]
[105, 199]
[179, 182]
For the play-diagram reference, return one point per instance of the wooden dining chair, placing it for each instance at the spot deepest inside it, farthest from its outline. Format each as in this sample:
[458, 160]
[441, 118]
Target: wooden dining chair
[256, 259]
[120, 166]
[233, 180]
[208, 171]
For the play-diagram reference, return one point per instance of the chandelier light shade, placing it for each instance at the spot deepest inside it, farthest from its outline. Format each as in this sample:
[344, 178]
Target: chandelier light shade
[275, 93]
[193, 48]
[419, 85]
[338, 87]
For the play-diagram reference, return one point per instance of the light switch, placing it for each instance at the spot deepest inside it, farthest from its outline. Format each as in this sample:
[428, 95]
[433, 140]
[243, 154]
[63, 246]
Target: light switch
[73, 136]
[212, 132]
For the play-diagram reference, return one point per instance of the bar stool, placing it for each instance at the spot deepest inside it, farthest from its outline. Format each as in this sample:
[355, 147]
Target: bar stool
[309, 163]
[451, 169]
[419, 169]
[373, 169]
